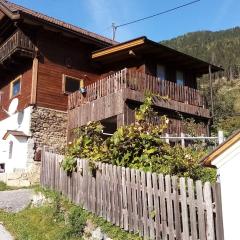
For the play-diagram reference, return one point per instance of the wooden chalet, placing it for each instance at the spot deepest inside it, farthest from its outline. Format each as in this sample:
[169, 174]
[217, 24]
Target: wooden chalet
[131, 69]
[39, 50]
[65, 76]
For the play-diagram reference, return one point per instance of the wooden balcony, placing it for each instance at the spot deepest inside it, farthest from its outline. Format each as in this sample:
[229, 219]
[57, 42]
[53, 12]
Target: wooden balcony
[138, 82]
[19, 44]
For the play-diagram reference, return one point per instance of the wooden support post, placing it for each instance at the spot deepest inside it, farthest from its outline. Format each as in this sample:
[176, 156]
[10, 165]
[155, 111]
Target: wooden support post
[167, 138]
[34, 81]
[211, 90]
[1, 99]
[220, 137]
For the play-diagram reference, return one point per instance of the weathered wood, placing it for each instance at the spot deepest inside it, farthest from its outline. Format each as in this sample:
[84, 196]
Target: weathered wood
[218, 207]
[163, 206]
[154, 206]
[139, 82]
[184, 207]
[192, 208]
[18, 41]
[209, 211]
[169, 207]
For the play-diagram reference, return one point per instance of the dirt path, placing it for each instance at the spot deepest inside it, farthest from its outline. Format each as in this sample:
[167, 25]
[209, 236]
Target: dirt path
[13, 201]
[4, 234]
[16, 200]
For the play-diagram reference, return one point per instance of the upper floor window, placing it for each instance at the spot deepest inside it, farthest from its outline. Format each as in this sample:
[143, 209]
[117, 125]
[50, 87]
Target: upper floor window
[15, 87]
[180, 78]
[72, 84]
[161, 72]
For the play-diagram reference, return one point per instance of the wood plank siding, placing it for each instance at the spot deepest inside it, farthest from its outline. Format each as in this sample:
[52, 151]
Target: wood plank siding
[57, 51]
[25, 93]
[150, 205]
[122, 93]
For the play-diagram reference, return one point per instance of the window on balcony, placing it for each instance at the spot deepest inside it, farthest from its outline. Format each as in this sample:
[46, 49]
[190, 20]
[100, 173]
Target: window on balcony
[161, 72]
[72, 84]
[15, 88]
[180, 78]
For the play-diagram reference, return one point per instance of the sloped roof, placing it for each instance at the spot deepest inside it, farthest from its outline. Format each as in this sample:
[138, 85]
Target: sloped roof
[16, 10]
[235, 137]
[143, 45]
[14, 133]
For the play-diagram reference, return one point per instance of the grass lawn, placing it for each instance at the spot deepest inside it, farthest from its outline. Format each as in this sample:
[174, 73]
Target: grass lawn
[49, 222]
[33, 224]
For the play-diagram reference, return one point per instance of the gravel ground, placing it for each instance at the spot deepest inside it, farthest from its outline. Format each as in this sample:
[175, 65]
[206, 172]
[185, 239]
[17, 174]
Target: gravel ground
[13, 201]
[16, 200]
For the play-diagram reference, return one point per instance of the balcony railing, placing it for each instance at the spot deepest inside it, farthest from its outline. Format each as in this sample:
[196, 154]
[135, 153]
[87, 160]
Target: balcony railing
[138, 82]
[18, 41]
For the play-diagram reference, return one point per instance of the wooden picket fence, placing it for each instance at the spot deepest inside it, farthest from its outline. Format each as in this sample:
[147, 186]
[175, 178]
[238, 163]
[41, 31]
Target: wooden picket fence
[152, 205]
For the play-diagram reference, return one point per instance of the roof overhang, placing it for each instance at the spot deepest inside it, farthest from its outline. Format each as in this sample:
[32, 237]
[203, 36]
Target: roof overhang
[143, 47]
[15, 134]
[10, 14]
[16, 12]
[235, 137]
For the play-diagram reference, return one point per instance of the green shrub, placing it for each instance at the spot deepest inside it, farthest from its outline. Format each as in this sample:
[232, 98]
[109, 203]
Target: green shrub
[69, 163]
[77, 218]
[3, 186]
[139, 146]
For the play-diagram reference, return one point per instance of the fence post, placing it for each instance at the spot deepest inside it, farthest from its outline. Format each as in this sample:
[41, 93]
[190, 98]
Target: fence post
[167, 138]
[220, 137]
[183, 140]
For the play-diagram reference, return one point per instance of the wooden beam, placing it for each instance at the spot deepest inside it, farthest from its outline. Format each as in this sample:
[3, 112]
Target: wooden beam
[34, 81]
[211, 91]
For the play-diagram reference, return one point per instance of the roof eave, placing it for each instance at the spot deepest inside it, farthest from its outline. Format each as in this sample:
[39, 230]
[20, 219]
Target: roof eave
[207, 161]
[10, 14]
[95, 40]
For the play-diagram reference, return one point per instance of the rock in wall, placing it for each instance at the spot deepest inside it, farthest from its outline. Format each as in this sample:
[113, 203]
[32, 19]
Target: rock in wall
[49, 128]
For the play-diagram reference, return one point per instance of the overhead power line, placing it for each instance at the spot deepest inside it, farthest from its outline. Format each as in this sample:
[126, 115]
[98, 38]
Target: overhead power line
[115, 27]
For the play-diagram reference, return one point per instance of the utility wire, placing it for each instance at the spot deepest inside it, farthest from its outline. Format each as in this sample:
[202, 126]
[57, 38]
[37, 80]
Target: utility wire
[115, 27]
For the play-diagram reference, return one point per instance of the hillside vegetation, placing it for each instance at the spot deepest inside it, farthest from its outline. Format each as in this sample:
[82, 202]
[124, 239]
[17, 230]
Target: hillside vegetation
[220, 48]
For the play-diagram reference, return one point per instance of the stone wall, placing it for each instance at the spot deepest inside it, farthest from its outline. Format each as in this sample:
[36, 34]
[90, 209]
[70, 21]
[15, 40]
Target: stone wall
[49, 128]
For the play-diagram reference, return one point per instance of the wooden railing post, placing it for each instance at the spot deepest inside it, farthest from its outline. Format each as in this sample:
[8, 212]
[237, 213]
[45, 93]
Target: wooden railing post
[140, 82]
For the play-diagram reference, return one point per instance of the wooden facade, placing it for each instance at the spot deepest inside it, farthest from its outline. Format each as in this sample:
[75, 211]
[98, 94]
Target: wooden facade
[40, 54]
[120, 94]
[150, 205]
[42, 50]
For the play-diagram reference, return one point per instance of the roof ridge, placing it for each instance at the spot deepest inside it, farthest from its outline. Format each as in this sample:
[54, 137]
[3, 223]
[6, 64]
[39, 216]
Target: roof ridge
[16, 8]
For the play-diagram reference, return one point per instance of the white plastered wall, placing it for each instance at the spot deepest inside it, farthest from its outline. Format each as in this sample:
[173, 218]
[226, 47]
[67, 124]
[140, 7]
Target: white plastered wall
[228, 164]
[20, 121]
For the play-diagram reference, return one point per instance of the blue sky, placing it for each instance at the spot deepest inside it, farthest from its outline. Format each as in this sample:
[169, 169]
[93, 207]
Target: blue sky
[98, 15]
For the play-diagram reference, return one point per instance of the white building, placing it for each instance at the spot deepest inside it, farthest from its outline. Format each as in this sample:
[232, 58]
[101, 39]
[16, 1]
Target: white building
[227, 160]
[15, 141]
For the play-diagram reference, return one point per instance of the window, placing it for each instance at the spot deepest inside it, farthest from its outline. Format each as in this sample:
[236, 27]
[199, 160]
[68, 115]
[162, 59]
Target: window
[10, 153]
[161, 73]
[15, 87]
[2, 167]
[180, 78]
[71, 84]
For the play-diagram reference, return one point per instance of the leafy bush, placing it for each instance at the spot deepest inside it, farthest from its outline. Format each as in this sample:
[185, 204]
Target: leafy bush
[3, 186]
[139, 146]
[77, 218]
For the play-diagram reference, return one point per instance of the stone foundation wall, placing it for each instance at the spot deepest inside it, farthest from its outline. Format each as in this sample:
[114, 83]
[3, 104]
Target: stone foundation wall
[49, 128]
[23, 178]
